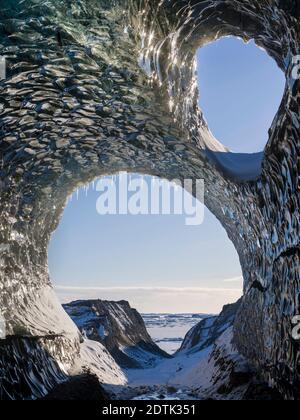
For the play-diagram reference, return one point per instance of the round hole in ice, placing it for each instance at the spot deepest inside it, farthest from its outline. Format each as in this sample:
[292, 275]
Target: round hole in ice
[241, 88]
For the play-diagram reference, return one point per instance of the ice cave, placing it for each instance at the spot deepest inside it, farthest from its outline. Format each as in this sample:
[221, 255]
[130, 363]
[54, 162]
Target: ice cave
[96, 87]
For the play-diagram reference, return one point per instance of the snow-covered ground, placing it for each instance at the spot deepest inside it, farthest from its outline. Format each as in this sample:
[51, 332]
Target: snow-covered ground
[169, 330]
[205, 366]
[168, 372]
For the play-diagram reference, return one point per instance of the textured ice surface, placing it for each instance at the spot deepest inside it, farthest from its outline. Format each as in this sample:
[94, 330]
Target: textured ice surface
[97, 359]
[77, 105]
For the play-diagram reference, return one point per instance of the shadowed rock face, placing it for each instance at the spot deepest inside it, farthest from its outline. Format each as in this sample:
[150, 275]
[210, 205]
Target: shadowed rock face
[96, 87]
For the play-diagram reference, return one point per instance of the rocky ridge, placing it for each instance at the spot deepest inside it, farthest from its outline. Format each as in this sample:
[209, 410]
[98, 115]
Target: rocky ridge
[119, 328]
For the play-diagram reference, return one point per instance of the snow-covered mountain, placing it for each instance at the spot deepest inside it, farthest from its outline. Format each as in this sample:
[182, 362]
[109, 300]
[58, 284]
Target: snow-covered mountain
[207, 331]
[119, 328]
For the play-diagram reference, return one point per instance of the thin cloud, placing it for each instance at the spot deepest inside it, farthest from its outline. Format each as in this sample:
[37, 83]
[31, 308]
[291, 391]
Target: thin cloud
[233, 280]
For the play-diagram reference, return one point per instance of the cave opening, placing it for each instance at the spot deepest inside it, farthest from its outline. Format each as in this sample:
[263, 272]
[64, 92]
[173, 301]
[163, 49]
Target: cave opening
[139, 283]
[241, 88]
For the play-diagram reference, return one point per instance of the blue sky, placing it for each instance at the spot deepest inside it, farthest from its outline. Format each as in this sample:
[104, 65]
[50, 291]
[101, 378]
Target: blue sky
[157, 262]
[240, 91]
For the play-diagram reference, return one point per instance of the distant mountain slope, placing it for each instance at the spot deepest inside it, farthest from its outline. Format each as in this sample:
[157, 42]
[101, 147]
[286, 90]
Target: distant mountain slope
[207, 331]
[218, 372]
[119, 328]
[207, 366]
[168, 330]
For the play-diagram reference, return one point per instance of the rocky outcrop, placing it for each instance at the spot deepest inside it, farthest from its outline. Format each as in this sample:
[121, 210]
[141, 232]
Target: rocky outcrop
[94, 87]
[206, 332]
[32, 369]
[83, 387]
[119, 328]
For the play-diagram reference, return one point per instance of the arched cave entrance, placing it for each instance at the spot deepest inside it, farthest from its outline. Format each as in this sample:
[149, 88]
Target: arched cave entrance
[108, 258]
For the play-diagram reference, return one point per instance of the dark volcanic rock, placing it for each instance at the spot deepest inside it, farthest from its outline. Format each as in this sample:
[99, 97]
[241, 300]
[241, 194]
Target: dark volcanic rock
[262, 392]
[207, 331]
[119, 328]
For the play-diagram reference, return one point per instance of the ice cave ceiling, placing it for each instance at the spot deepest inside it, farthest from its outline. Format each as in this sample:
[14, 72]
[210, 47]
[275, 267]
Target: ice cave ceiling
[94, 87]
